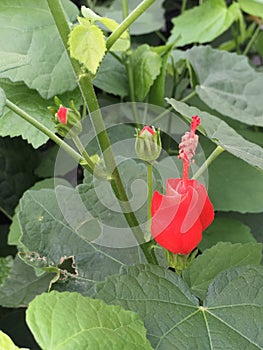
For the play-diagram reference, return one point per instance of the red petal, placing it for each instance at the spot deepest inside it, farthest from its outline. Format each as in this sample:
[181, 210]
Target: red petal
[148, 129]
[62, 115]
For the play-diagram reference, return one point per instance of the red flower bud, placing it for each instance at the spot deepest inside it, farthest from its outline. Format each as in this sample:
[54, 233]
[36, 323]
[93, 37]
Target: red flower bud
[180, 216]
[62, 114]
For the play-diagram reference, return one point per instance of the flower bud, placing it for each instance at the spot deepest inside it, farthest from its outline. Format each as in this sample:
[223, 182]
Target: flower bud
[68, 122]
[148, 144]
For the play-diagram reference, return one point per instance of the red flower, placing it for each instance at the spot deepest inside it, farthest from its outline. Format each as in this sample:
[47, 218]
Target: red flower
[62, 114]
[180, 216]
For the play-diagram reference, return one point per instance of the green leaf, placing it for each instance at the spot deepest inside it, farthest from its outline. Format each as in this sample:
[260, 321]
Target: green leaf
[58, 225]
[6, 343]
[241, 290]
[172, 316]
[123, 43]
[230, 182]
[203, 23]
[93, 324]
[146, 67]
[225, 230]
[228, 84]
[87, 45]
[112, 77]
[22, 285]
[221, 134]
[10, 60]
[2, 100]
[220, 257]
[15, 232]
[150, 21]
[33, 33]
[253, 7]
[17, 161]
[5, 266]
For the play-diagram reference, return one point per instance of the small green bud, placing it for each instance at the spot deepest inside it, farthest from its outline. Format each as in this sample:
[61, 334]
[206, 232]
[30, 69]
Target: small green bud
[148, 145]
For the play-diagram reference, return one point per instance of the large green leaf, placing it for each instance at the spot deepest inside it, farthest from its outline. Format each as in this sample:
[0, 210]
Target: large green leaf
[13, 125]
[222, 134]
[93, 324]
[214, 260]
[33, 33]
[146, 67]
[87, 44]
[6, 343]
[253, 7]
[203, 23]
[57, 225]
[225, 230]
[151, 20]
[17, 161]
[172, 316]
[228, 84]
[241, 290]
[22, 285]
[112, 77]
[10, 60]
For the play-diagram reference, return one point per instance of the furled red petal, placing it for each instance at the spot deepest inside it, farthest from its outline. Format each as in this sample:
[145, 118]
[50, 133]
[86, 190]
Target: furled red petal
[178, 219]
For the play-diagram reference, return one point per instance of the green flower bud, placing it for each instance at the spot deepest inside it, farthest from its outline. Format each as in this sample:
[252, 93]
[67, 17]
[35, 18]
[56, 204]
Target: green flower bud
[148, 145]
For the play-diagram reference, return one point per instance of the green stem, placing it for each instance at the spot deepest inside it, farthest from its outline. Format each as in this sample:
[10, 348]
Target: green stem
[45, 130]
[209, 160]
[84, 153]
[131, 87]
[184, 3]
[137, 12]
[6, 213]
[252, 39]
[188, 97]
[89, 96]
[125, 8]
[150, 188]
